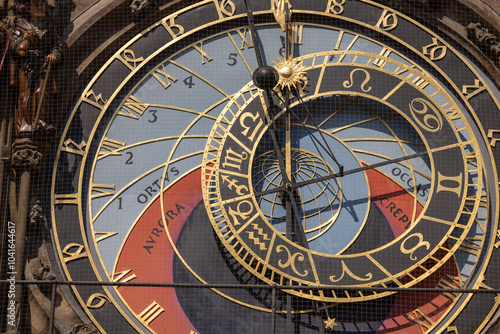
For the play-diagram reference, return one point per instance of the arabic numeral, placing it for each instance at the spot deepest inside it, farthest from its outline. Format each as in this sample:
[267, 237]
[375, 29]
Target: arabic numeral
[189, 81]
[232, 58]
[153, 118]
[130, 157]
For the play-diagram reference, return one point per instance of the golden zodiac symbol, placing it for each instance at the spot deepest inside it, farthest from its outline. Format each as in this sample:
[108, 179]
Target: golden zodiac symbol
[254, 118]
[349, 272]
[348, 84]
[256, 240]
[421, 243]
[430, 115]
[244, 215]
[291, 260]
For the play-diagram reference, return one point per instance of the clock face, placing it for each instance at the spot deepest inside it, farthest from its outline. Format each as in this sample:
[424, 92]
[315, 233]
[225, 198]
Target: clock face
[370, 167]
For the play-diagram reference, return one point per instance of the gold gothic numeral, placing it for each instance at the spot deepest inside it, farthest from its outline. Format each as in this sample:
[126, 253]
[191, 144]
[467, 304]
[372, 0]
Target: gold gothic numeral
[66, 198]
[96, 100]
[171, 25]
[204, 55]
[122, 276]
[129, 59]
[452, 329]
[335, 7]
[71, 146]
[97, 300]
[493, 141]
[110, 147]
[450, 179]
[133, 106]
[476, 89]
[151, 312]
[225, 8]
[79, 252]
[101, 190]
[434, 50]
[497, 244]
[165, 83]
[387, 21]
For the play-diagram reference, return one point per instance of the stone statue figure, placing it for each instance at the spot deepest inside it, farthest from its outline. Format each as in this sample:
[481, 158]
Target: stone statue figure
[35, 49]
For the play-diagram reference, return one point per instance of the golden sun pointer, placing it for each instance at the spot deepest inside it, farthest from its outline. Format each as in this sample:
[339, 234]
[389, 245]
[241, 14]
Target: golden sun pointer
[291, 75]
[330, 323]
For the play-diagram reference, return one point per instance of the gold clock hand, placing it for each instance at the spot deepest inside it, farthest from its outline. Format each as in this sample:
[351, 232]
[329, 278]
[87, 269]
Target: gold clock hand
[327, 149]
[360, 169]
[255, 36]
[352, 171]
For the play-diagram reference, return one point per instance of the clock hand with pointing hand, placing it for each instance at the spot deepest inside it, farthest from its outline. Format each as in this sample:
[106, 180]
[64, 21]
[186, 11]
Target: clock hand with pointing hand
[266, 78]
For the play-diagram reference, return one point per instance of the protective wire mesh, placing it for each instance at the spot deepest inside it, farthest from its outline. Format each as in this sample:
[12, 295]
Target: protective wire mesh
[248, 166]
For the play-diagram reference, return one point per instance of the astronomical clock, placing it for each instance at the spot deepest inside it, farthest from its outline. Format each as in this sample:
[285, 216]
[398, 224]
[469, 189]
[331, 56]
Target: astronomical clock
[323, 166]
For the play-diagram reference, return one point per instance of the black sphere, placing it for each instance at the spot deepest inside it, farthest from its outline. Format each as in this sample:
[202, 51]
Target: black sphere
[265, 77]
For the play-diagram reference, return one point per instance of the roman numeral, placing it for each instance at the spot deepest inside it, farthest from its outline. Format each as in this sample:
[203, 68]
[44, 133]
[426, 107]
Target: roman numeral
[101, 190]
[204, 55]
[123, 276]
[167, 77]
[450, 282]
[384, 53]
[471, 245]
[133, 106]
[244, 41]
[151, 312]
[424, 320]
[110, 147]
[104, 235]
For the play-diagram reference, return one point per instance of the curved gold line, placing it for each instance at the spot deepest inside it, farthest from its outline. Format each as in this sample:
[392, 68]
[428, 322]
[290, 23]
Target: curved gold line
[199, 77]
